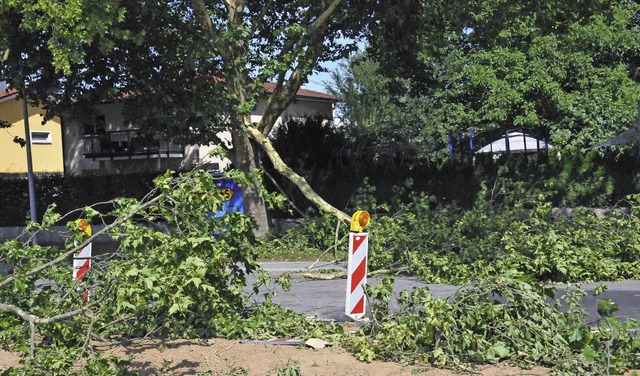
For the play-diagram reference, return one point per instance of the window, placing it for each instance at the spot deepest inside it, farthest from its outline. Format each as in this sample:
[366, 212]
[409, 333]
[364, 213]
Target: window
[95, 126]
[40, 137]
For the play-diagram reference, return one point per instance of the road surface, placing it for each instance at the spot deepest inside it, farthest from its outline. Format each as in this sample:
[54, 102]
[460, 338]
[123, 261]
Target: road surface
[325, 299]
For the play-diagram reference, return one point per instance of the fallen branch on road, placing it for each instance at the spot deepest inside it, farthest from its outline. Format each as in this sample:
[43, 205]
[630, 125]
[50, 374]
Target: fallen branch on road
[340, 275]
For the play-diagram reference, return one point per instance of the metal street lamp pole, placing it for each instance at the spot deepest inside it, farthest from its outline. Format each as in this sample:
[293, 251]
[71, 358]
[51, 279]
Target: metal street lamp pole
[30, 177]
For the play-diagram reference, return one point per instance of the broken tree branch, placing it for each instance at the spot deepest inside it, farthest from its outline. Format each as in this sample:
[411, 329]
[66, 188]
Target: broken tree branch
[296, 179]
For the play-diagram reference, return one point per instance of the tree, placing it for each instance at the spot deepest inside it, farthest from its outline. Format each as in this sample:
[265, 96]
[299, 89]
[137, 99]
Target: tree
[384, 114]
[571, 65]
[195, 67]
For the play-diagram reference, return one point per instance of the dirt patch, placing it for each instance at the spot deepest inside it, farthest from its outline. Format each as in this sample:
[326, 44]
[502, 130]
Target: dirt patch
[8, 359]
[224, 357]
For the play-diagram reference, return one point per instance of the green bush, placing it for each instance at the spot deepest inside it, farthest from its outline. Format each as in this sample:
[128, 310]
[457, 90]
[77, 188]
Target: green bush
[581, 248]
[510, 228]
[67, 192]
[337, 166]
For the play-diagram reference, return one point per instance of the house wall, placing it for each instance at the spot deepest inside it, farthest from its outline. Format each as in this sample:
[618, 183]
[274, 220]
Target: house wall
[300, 108]
[75, 162]
[46, 157]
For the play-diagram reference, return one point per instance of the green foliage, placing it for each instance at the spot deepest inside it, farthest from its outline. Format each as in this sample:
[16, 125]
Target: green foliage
[60, 362]
[291, 369]
[315, 237]
[175, 272]
[186, 281]
[190, 78]
[513, 244]
[484, 65]
[493, 320]
[510, 227]
[583, 248]
[351, 174]
[384, 116]
[68, 193]
[580, 179]
[184, 71]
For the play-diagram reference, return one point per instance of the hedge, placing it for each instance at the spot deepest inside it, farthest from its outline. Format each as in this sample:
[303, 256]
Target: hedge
[67, 192]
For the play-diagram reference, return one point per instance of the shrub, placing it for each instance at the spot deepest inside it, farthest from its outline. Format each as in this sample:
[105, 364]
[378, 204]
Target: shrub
[67, 192]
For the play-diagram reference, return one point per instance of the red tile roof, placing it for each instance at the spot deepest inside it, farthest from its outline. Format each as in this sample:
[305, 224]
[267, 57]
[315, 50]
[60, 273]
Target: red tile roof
[269, 87]
[8, 93]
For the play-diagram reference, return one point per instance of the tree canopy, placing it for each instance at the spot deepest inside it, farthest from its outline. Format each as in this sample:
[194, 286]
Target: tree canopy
[571, 65]
[192, 68]
[188, 68]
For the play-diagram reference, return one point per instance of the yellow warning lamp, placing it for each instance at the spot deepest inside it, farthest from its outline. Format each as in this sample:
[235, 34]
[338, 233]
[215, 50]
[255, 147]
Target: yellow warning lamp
[84, 226]
[359, 220]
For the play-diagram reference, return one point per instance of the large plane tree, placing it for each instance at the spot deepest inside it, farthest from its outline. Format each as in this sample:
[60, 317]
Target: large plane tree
[193, 67]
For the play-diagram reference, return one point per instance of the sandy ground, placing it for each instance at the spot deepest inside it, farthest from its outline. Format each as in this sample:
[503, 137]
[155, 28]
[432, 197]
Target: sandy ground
[224, 357]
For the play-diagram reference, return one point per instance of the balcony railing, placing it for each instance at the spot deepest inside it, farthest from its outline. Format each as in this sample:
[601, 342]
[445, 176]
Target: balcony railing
[128, 144]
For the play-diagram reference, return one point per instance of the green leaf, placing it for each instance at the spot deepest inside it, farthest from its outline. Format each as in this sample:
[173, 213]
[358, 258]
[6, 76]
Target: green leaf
[500, 349]
[574, 334]
[606, 307]
[175, 307]
[195, 281]
[589, 353]
[132, 272]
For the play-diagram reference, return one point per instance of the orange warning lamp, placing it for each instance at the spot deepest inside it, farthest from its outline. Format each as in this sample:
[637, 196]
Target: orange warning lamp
[84, 226]
[359, 220]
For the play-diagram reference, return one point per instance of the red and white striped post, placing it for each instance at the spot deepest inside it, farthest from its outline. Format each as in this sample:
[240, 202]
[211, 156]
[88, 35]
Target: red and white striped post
[355, 305]
[82, 260]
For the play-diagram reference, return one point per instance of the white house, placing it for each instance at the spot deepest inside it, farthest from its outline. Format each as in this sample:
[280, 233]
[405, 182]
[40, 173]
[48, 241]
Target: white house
[113, 144]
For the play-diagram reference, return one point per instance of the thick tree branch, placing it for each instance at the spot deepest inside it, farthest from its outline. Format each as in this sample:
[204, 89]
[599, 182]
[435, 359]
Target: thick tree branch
[296, 179]
[200, 11]
[322, 20]
[235, 55]
[284, 94]
[33, 319]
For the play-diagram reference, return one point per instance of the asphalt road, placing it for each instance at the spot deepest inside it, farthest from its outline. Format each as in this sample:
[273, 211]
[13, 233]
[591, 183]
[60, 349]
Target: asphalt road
[325, 299]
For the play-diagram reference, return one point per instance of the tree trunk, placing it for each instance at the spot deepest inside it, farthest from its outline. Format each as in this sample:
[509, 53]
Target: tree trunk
[245, 157]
